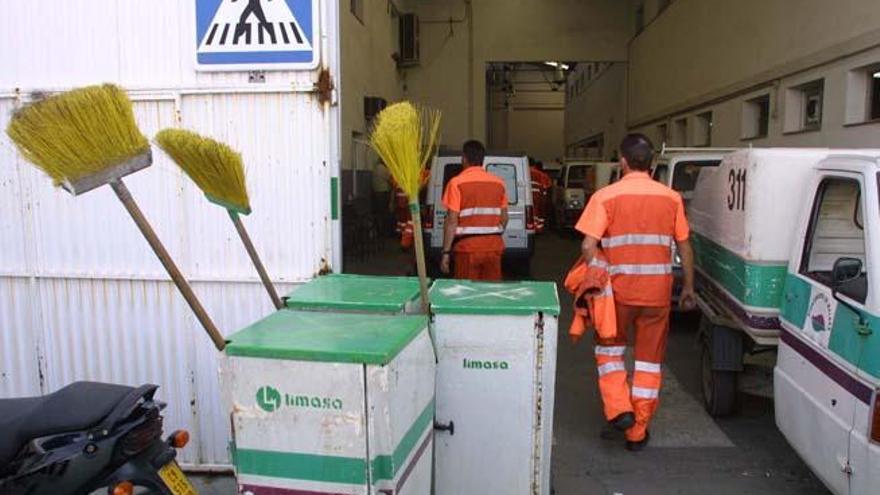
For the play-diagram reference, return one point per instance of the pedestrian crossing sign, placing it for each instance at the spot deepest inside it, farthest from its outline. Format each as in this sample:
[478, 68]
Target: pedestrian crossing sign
[234, 35]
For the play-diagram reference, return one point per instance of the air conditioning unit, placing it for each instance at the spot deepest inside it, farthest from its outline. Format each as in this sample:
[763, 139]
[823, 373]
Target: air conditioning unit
[372, 106]
[408, 54]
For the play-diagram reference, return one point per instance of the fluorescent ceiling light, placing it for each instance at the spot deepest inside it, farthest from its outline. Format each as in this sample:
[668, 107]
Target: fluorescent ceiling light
[876, 75]
[560, 65]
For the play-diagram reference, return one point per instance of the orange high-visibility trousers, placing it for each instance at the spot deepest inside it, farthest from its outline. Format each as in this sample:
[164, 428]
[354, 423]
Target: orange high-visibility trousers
[478, 265]
[651, 328]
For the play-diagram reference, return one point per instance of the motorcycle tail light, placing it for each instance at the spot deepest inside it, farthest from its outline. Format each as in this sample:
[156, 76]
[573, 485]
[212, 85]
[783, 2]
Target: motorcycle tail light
[875, 418]
[123, 488]
[179, 439]
[141, 437]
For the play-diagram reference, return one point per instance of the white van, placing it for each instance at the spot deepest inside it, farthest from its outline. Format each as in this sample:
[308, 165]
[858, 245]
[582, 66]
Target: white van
[787, 246]
[519, 236]
[679, 169]
[577, 182]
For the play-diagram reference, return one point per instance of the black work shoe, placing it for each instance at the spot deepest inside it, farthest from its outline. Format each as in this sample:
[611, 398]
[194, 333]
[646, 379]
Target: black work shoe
[623, 421]
[637, 446]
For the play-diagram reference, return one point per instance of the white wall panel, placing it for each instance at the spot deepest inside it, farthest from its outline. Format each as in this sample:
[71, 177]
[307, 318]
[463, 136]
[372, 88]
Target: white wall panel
[82, 297]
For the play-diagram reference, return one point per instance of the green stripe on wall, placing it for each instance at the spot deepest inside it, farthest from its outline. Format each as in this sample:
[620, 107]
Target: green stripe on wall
[752, 284]
[334, 198]
[385, 467]
[310, 467]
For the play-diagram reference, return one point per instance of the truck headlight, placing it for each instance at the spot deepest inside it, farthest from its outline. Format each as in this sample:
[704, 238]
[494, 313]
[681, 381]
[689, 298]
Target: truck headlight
[574, 204]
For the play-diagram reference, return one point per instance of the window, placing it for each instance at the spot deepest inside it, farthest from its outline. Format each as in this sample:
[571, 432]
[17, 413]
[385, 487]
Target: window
[755, 117]
[703, 129]
[662, 133]
[680, 132]
[803, 107]
[686, 173]
[836, 231]
[507, 172]
[357, 8]
[577, 175]
[863, 94]
[661, 173]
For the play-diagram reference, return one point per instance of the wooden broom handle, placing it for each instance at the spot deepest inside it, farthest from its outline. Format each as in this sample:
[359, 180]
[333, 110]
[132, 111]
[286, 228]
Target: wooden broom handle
[182, 285]
[255, 258]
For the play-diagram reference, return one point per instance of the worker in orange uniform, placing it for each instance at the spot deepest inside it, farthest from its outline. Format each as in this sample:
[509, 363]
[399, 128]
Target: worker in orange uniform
[476, 215]
[635, 221]
[541, 183]
[404, 216]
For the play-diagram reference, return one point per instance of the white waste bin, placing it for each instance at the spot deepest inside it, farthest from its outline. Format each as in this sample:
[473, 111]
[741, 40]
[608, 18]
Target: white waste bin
[331, 403]
[357, 294]
[496, 344]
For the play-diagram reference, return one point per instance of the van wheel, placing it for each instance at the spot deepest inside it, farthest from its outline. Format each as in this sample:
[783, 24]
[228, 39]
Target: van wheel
[719, 387]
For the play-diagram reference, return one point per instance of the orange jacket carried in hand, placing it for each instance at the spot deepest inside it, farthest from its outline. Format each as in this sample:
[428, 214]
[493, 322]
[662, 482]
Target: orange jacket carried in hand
[593, 298]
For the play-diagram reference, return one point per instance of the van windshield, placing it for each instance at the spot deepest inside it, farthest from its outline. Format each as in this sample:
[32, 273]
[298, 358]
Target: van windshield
[507, 173]
[661, 173]
[577, 175]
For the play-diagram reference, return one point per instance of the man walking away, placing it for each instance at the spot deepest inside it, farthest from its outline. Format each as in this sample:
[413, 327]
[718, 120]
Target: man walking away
[476, 215]
[635, 220]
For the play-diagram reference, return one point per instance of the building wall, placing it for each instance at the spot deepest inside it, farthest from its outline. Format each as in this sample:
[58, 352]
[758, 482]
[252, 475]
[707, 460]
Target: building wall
[698, 50]
[368, 69]
[454, 54]
[526, 112]
[596, 105]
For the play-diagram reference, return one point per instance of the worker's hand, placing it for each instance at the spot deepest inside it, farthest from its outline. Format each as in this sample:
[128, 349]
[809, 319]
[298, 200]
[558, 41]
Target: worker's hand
[575, 338]
[444, 263]
[687, 301]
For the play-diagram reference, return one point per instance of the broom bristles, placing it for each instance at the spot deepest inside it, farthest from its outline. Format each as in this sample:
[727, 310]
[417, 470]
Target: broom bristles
[78, 133]
[216, 168]
[405, 138]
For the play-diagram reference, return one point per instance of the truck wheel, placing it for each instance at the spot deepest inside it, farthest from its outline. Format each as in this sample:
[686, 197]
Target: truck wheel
[719, 387]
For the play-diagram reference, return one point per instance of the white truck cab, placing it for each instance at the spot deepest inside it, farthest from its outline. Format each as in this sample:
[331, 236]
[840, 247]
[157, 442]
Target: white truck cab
[679, 169]
[788, 253]
[519, 236]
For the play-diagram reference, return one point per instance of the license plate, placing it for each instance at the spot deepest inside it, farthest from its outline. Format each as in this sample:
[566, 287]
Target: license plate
[175, 480]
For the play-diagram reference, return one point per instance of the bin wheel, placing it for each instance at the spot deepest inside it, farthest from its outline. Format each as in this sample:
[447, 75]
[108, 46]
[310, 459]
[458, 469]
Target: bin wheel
[719, 387]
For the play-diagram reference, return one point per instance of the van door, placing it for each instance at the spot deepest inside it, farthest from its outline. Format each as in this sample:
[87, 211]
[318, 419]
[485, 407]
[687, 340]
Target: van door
[859, 342]
[444, 169]
[817, 389]
[515, 181]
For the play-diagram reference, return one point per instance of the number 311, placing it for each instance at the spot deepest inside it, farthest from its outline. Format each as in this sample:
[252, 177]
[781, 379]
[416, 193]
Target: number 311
[736, 198]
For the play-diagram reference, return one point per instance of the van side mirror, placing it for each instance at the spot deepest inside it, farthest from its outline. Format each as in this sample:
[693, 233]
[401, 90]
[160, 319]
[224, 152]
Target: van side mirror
[845, 270]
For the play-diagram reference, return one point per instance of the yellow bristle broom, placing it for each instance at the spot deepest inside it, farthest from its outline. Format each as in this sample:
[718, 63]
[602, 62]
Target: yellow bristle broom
[218, 171]
[405, 138]
[86, 138]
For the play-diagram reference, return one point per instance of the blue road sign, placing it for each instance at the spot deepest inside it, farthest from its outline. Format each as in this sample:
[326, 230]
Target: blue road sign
[256, 34]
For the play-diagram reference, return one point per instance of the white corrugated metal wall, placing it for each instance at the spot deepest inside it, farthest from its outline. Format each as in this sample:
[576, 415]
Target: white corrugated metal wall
[81, 294]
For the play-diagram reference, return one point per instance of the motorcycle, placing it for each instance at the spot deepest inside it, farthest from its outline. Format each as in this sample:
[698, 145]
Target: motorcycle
[89, 436]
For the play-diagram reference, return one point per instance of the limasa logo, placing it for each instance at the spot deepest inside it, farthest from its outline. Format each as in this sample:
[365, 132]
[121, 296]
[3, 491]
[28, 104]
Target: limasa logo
[268, 398]
[484, 365]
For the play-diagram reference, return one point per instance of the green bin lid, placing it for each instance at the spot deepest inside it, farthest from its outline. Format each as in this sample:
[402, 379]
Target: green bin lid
[327, 337]
[493, 298]
[355, 293]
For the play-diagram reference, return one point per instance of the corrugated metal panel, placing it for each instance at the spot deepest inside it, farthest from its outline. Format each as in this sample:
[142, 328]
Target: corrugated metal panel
[81, 294]
[137, 44]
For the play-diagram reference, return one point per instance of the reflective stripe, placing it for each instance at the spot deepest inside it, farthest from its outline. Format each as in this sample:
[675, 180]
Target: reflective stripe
[598, 263]
[478, 230]
[610, 350]
[468, 212]
[636, 240]
[659, 269]
[611, 367]
[647, 367]
[606, 292]
[645, 393]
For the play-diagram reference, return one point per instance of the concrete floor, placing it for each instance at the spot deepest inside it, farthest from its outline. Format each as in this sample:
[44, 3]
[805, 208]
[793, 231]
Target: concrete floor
[690, 452]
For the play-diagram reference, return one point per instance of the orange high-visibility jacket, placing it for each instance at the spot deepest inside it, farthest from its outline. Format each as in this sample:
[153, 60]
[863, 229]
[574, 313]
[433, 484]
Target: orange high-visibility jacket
[479, 198]
[593, 298]
[637, 219]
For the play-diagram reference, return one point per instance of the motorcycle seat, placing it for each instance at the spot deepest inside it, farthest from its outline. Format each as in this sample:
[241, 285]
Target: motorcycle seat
[78, 406]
